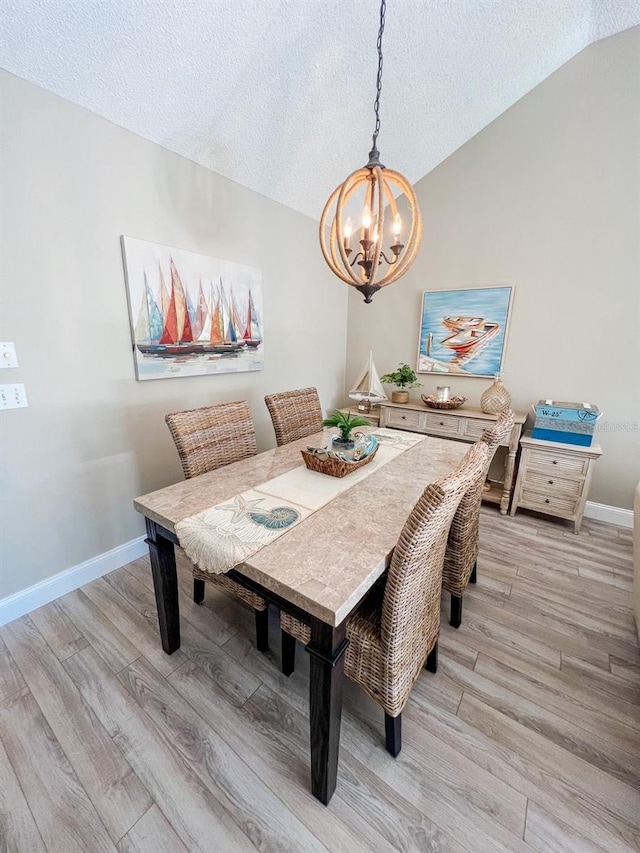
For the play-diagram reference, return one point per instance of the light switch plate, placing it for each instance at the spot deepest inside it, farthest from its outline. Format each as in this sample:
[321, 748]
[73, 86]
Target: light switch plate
[13, 396]
[8, 357]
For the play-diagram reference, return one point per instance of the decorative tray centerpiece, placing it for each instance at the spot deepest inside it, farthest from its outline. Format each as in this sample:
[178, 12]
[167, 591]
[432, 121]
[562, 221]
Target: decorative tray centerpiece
[433, 403]
[328, 460]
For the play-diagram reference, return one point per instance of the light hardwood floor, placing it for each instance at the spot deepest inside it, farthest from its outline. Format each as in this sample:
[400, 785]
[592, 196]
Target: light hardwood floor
[527, 738]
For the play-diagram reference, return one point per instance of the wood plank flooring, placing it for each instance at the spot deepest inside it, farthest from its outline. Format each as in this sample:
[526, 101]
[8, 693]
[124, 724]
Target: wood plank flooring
[527, 738]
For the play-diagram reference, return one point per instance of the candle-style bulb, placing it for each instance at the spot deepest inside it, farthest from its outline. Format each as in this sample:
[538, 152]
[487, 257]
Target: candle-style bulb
[348, 229]
[397, 225]
[366, 217]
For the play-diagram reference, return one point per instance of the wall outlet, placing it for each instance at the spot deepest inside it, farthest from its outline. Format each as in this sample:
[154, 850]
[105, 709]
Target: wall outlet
[8, 357]
[13, 396]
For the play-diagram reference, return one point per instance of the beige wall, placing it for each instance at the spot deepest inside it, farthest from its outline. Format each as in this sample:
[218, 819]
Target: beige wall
[93, 437]
[546, 198]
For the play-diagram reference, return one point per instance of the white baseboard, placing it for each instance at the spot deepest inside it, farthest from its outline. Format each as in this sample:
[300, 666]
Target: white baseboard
[48, 590]
[611, 514]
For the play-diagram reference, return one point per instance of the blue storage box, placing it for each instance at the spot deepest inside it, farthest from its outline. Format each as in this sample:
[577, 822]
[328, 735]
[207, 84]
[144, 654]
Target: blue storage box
[569, 423]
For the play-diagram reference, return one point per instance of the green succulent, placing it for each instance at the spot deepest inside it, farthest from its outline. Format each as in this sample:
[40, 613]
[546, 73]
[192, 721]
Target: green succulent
[404, 377]
[345, 423]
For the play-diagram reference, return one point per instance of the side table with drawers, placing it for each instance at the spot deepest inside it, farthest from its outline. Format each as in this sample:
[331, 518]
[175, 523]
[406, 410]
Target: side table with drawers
[464, 424]
[554, 478]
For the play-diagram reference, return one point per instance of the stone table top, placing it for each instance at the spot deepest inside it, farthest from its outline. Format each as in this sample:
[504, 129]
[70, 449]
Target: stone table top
[325, 564]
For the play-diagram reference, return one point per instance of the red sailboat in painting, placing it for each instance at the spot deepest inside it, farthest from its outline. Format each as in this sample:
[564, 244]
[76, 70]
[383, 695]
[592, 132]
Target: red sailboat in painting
[252, 334]
[223, 338]
[177, 336]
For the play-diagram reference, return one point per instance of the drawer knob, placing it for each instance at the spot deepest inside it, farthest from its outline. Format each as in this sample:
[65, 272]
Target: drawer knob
[546, 500]
[404, 417]
[551, 482]
[441, 423]
[554, 462]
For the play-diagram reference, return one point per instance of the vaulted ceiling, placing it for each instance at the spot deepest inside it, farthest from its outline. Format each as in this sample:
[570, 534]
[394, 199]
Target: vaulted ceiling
[278, 94]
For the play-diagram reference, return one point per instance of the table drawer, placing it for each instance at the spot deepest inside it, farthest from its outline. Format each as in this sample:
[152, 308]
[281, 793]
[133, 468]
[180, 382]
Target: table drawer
[474, 429]
[564, 507]
[441, 424]
[557, 463]
[549, 486]
[403, 419]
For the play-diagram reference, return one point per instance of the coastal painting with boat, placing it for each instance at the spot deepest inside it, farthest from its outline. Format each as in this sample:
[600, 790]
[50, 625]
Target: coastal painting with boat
[191, 314]
[464, 332]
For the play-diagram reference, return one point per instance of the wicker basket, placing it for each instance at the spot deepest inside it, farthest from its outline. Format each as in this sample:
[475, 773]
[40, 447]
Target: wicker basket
[451, 403]
[334, 467]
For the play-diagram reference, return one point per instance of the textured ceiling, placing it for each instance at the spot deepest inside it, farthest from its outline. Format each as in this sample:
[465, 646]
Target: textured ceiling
[278, 94]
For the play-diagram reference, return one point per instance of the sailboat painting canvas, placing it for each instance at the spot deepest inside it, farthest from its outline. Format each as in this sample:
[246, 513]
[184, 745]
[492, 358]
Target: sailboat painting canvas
[191, 314]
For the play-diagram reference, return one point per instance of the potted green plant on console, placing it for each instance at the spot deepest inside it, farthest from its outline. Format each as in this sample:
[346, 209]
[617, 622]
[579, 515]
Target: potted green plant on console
[345, 423]
[403, 378]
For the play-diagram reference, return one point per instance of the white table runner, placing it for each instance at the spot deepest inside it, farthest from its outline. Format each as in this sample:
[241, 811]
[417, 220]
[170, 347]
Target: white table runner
[220, 538]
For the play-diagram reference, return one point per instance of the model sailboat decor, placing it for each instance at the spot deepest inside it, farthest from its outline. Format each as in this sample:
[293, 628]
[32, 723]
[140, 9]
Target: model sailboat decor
[191, 314]
[368, 388]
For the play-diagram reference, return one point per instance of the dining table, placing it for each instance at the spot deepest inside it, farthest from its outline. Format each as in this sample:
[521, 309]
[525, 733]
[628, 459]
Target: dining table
[318, 569]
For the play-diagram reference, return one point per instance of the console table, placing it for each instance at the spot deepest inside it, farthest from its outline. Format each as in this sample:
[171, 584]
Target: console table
[464, 424]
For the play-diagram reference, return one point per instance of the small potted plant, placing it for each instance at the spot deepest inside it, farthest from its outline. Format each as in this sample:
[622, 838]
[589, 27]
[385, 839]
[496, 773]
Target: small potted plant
[345, 423]
[403, 378]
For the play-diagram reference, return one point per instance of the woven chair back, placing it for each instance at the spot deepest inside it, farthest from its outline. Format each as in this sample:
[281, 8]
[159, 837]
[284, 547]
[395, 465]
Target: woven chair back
[295, 414]
[212, 436]
[466, 520]
[464, 533]
[495, 435]
[411, 604]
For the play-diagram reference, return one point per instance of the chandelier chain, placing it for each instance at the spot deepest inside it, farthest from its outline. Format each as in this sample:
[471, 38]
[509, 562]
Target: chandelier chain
[376, 106]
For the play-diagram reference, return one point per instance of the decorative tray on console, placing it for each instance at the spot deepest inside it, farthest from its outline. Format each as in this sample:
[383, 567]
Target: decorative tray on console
[451, 403]
[324, 460]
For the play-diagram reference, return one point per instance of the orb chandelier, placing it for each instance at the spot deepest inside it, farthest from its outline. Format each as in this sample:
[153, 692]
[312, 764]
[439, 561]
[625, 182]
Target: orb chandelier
[371, 267]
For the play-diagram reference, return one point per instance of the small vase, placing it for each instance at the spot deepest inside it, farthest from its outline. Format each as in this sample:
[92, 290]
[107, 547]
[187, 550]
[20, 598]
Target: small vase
[495, 398]
[399, 396]
[348, 448]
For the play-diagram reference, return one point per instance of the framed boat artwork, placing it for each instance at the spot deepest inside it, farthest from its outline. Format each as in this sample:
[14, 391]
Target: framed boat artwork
[464, 332]
[191, 314]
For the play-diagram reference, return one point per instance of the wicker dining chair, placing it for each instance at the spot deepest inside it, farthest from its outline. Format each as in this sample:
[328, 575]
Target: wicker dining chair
[295, 414]
[394, 632]
[460, 559]
[206, 439]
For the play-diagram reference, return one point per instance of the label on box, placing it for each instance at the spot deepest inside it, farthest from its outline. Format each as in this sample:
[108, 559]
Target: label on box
[568, 412]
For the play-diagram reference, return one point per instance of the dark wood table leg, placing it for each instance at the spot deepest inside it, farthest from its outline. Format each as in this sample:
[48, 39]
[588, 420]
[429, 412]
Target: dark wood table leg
[327, 647]
[165, 582]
